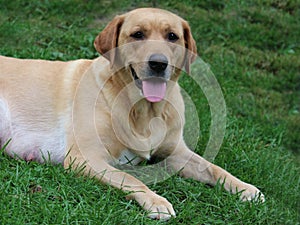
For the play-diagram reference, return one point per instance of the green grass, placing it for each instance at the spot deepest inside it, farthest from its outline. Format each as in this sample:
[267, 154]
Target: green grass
[253, 48]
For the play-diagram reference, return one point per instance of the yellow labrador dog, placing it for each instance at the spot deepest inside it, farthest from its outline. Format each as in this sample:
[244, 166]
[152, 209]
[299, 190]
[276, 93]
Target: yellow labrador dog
[122, 105]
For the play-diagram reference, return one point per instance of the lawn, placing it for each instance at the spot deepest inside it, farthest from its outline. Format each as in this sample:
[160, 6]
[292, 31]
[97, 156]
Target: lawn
[253, 49]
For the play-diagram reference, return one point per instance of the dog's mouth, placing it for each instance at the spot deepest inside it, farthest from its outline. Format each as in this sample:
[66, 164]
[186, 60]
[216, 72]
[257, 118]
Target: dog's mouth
[153, 88]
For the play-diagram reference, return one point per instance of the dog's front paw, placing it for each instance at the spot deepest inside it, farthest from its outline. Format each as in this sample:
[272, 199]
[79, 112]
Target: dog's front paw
[251, 193]
[157, 206]
[160, 208]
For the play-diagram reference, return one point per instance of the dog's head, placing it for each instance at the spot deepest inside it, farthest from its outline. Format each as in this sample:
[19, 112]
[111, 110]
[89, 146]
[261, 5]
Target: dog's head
[153, 44]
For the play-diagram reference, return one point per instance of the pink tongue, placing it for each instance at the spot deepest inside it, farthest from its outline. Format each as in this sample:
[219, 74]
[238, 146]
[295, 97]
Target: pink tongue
[154, 89]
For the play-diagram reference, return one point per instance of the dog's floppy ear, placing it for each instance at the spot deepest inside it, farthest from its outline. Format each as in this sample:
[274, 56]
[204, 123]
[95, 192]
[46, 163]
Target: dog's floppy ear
[106, 42]
[190, 44]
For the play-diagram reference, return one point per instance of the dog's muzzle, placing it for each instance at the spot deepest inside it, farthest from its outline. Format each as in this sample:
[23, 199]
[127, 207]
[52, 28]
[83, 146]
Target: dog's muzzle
[158, 63]
[154, 86]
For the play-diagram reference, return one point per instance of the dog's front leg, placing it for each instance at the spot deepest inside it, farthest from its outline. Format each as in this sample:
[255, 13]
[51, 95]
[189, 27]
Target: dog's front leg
[158, 207]
[193, 166]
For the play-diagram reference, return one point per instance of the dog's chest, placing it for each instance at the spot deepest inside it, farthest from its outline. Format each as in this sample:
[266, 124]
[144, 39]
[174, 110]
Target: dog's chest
[128, 157]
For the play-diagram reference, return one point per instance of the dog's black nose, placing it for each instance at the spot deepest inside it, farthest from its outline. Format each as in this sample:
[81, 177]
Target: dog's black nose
[158, 62]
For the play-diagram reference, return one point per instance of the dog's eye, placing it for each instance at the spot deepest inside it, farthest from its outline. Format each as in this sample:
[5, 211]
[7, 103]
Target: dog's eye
[138, 35]
[172, 37]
